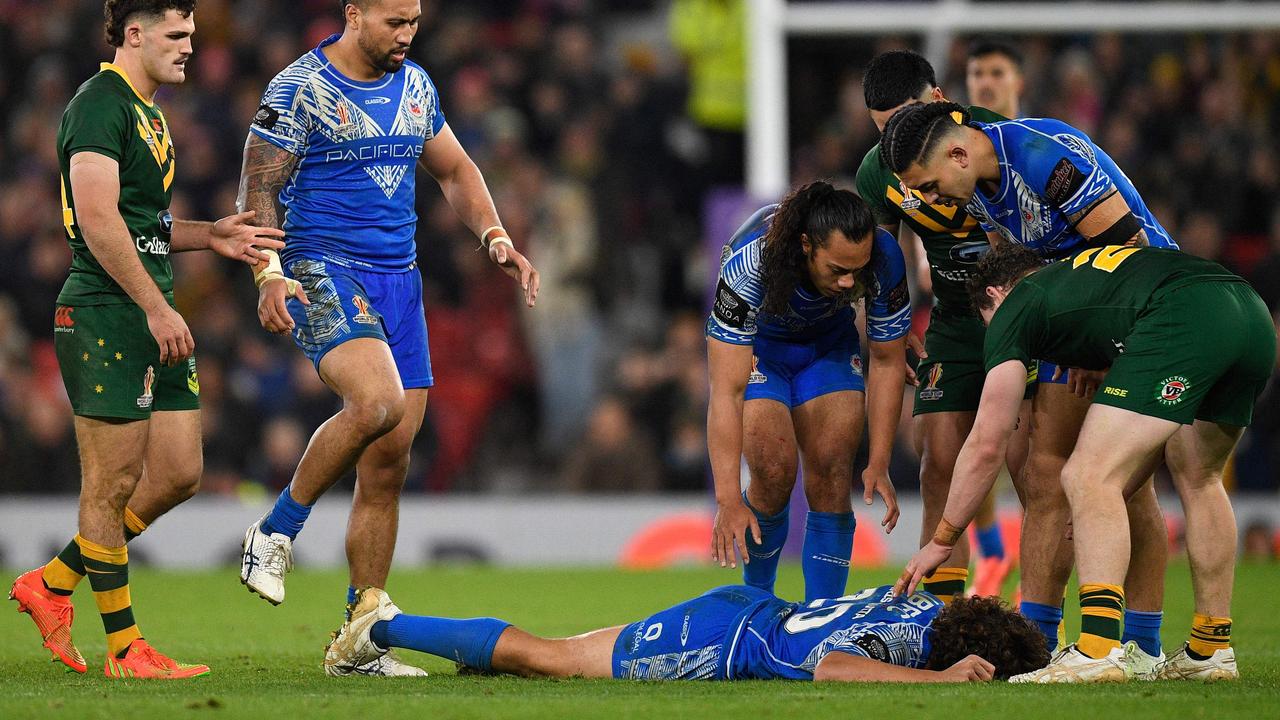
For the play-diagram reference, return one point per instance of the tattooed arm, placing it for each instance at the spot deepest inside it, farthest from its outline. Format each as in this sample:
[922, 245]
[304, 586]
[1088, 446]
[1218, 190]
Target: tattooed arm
[265, 171]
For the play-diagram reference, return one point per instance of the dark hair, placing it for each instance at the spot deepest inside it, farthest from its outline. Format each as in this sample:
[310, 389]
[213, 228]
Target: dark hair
[913, 132]
[990, 46]
[895, 77]
[1003, 267]
[993, 631]
[118, 12]
[814, 210]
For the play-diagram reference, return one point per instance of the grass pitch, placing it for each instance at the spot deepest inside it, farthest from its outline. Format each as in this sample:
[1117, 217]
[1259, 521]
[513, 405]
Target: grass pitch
[266, 660]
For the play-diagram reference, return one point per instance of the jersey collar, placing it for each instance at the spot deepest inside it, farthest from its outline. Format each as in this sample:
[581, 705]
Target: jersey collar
[112, 67]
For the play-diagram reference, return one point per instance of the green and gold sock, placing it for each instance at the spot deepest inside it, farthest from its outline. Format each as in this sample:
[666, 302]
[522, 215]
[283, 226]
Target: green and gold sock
[1208, 634]
[109, 577]
[946, 583]
[65, 571]
[1101, 608]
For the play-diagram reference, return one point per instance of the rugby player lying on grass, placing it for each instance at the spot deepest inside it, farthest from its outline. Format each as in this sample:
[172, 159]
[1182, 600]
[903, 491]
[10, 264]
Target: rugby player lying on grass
[736, 632]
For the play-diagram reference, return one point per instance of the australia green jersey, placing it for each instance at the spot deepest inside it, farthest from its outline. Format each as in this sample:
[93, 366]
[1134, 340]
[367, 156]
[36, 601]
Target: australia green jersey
[1078, 311]
[953, 240]
[109, 117]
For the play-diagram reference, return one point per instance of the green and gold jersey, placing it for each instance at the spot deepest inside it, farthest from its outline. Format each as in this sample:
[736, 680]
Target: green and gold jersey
[107, 116]
[1078, 311]
[953, 240]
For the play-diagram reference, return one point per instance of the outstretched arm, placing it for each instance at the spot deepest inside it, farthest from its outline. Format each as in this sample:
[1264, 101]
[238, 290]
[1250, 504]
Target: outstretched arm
[465, 190]
[843, 667]
[885, 377]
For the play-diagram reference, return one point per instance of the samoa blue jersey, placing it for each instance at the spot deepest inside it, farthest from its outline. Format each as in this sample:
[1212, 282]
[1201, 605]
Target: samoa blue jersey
[787, 640]
[351, 196]
[737, 318]
[1050, 171]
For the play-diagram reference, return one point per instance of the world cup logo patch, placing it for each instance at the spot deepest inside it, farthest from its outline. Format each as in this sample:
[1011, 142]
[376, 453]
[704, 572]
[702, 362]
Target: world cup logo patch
[148, 380]
[756, 376]
[931, 391]
[363, 316]
[1172, 389]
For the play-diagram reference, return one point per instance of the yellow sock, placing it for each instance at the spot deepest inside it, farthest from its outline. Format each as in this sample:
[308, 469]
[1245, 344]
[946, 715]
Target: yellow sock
[946, 583]
[1101, 609]
[1208, 634]
[64, 571]
[109, 576]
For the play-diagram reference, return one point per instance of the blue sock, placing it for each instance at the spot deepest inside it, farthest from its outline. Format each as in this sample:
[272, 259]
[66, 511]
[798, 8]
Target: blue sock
[1144, 629]
[469, 642]
[828, 545]
[351, 599]
[286, 516]
[990, 542]
[762, 571]
[1046, 617]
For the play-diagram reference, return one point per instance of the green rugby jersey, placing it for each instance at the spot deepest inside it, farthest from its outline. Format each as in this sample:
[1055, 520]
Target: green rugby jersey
[1078, 311]
[109, 117]
[953, 240]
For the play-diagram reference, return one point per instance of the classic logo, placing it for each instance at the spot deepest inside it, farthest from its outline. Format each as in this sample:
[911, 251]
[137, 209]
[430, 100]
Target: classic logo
[756, 376]
[1172, 389]
[147, 381]
[931, 391]
[62, 322]
[364, 317]
[377, 101]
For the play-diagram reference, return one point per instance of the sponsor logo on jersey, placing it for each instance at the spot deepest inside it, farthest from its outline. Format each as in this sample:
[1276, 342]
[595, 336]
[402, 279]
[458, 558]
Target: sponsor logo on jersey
[151, 245]
[144, 401]
[1118, 392]
[62, 322]
[166, 222]
[874, 646]
[969, 252]
[931, 391]
[364, 317]
[377, 101]
[266, 117]
[1119, 345]
[756, 376]
[684, 631]
[1172, 389]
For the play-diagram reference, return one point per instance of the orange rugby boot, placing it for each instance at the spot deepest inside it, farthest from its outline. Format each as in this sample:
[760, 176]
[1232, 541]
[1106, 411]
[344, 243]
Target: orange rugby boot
[52, 615]
[145, 662]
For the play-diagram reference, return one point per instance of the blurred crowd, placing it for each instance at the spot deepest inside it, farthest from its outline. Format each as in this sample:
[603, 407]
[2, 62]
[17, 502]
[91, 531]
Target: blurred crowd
[600, 128]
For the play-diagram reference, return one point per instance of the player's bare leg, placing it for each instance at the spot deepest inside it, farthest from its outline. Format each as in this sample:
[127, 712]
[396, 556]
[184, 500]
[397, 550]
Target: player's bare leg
[589, 655]
[769, 446]
[375, 507]
[173, 467]
[828, 429]
[939, 439]
[363, 373]
[1115, 453]
[1197, 455]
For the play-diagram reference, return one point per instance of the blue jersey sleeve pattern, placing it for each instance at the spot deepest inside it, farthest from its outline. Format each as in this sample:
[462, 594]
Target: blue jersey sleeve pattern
[888, 302]
[739, 291]
[284, 119]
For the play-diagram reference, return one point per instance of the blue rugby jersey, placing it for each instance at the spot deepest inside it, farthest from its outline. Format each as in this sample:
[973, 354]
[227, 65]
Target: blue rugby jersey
[781, 639]
[351, 196]
[1049, 170]
[736, 315]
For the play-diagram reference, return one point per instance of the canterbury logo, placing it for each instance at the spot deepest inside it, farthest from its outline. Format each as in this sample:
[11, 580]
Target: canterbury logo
[62, 317]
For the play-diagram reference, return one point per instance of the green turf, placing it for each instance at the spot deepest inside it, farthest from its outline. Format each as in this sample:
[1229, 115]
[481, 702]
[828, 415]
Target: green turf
[266, 660]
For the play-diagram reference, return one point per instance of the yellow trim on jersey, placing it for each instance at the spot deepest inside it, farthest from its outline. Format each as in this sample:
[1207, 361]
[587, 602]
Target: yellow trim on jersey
[112, 67]
[966, 227]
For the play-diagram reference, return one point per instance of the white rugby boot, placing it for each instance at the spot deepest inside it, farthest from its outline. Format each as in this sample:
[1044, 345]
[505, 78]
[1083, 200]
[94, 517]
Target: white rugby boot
[352, 650]
[264, 561]
[1144, 666]
[1181, 666]
[1072, 666]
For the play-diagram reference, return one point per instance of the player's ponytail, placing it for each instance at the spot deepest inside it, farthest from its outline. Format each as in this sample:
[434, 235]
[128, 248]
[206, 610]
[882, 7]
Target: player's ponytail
[913, 132]
[814, 211]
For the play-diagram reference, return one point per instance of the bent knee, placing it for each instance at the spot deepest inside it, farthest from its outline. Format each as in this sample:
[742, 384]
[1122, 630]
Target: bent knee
[373, 418]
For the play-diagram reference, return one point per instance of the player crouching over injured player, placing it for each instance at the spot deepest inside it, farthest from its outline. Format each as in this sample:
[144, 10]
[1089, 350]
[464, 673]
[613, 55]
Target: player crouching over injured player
[1190, 346]
[736, 632]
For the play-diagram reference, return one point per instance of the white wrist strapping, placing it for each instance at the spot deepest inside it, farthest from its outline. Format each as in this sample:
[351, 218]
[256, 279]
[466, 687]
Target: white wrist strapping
[274, 271]
[487, 243]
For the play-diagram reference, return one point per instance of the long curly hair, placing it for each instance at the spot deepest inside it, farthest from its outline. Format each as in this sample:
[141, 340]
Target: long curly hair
[813, 211]
[990, 629]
